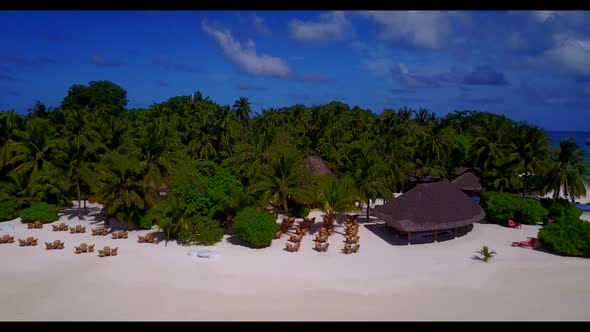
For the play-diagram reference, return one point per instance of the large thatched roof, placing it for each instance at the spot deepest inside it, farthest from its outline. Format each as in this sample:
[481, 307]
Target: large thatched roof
[467, 181]
[429, 207]
[318, 166]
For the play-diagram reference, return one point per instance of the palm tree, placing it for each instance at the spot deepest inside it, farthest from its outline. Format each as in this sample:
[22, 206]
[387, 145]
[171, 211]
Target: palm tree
[73, 159]
[34, 147]
[370, 177]
[569, 171]
[528, 151]
[172, 215]
[123, 189]
[337, 196]
[242, 109]
[283, 179]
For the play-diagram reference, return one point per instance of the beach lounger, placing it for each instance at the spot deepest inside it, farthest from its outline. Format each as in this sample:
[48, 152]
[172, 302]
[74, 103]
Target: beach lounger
[318, 246]
[48, 245]
[529, 244]
[114, 251]
[38, 224]
[11, 239]
[91, 248]
[55, 228]
[324, 247]
[140, 239]
[356, 248]
[30, 226]
[83, 229]
[101, 253]
[22, 243]
[347, 249]
[84, 247]
[107, 251]
[289, 247]
[513, 224]
[79, 250]
[72, 230]
[352, 239]
[33, 242]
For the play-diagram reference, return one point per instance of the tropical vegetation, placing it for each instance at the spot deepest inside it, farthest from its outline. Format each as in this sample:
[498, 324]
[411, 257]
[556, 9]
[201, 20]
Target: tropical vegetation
[219, 159]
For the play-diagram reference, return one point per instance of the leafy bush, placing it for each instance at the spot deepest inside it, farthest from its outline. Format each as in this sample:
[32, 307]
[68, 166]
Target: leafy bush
[258, 228]
[300, 211]
[201, 231]
[210, 190]
[567, 236]
[529, 211]
[501, 207]
[8, 210]
[43, 212]
[560, 208]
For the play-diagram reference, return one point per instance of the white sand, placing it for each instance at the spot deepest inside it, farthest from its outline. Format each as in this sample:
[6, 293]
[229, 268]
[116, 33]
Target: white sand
[437, 281]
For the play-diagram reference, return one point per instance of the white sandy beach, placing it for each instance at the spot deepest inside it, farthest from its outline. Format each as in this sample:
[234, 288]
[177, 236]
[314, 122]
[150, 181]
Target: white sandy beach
[384, 281]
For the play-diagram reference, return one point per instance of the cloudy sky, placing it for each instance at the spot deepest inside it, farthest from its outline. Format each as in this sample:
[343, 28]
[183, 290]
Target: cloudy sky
[532, 65]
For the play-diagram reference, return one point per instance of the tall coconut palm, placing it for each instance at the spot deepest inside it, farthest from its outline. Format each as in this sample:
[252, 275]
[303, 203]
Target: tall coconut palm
[123, 189]
[570, 171]
[34, 147]
[282, 180]
[528, 151]
[337, 196]
[370, 177]
[172, 215]
[242, 109]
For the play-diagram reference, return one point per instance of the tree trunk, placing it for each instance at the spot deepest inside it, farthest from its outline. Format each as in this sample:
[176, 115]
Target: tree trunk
[524, 181]
[79, 199]
[106, 215]
[368, 208]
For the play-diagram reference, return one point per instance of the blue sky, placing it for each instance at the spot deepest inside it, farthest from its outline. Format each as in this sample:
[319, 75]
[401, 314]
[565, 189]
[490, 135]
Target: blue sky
[528, 65]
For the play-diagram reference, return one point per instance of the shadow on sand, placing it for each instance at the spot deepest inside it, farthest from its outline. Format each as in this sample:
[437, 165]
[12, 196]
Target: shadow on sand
[394, 239]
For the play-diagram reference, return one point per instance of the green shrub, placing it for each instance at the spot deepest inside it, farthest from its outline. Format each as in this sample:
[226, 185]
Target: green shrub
[42, 212]
[567, 236]
[300, 211]
[501, 207]
[560, 208]
[144, 222]
[8, 210]
[529, 211]
[202, 231]
[258, 228]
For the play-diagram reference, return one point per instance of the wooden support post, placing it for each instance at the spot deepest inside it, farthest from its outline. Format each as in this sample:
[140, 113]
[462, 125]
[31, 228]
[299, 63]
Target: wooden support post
[455, 232]
[436, 236]
[409, 238]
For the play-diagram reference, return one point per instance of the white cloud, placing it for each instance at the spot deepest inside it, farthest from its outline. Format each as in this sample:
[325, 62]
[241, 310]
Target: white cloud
[569, 55]
[260, 25]
[244, 54]
[328, 27]
[424, 29]
[542, 15]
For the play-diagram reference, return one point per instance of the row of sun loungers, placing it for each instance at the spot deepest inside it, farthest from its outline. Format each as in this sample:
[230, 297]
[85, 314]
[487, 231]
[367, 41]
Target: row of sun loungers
[84, 248]
[107, 251]
[293, 247]
[77, 229]
[285, 225]
[7, 239]
[37, 224]
[120, 235]
[30, 241]
[100, 231]
[149, 238]
[352, 238]
[57, 244]
[60, 228]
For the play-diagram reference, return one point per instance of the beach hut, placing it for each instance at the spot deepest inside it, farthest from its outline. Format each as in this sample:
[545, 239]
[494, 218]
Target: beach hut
[318, 167]
[431, 210]
[468, 183]
[162, 191]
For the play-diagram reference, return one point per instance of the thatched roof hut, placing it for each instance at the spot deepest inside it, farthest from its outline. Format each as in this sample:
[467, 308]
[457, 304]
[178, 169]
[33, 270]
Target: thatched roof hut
[318, 167]
[430, 207]
[468, 182]
[162, 190]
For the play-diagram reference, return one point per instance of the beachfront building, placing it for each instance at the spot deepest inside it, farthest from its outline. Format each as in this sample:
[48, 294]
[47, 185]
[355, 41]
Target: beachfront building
[430, 212]
[468, 183]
